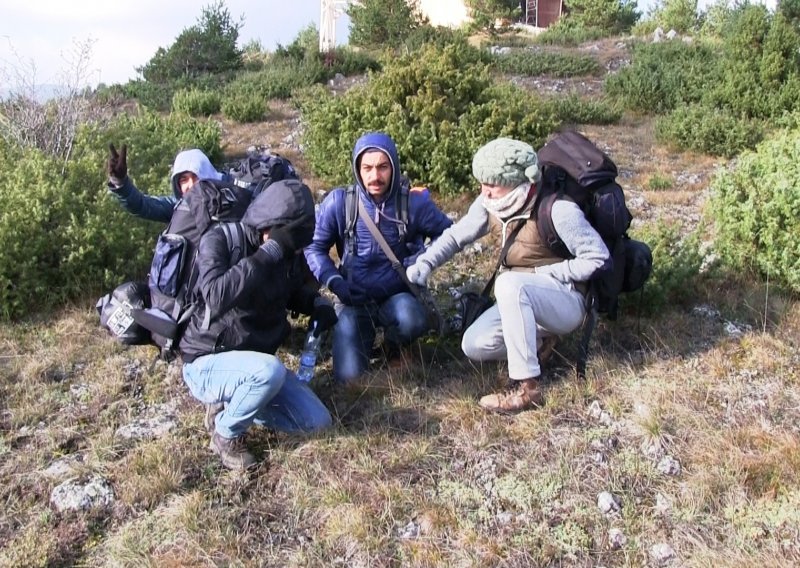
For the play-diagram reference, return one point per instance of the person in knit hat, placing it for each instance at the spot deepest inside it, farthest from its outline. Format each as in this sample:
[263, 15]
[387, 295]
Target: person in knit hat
[539, 295]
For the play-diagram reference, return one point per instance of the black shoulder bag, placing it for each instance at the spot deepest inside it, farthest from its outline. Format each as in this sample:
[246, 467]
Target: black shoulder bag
[472, 304]
[435, 320]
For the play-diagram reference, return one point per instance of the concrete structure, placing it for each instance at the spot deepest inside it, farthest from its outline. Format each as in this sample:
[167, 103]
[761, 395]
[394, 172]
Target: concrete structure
[450, 13]
[329, 11]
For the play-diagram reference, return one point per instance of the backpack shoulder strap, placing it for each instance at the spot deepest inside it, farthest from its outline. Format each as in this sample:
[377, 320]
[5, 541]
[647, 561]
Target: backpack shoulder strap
[546, 227]
[401, 206]
[350, 216]
[234, 237]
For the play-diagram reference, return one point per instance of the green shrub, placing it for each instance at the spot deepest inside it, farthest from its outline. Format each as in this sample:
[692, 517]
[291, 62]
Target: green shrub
[709, 130]
[208, 47]
[573, 109]
[542, 63]
[660, 182]
[755, 211]
[195, 102]
[760, 67]
[485, 13]
[609, 16]
[678, 15]
[386, 23]
[277, 80]
[244, 107]
[569, 34]
[439, 105]
[426, 34]
[63, 237]
[675, 278]
[663, 76]
[349, 62]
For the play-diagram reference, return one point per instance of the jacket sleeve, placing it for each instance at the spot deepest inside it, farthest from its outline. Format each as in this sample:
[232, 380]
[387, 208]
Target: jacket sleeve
[223, 286]
[145, 206]
[430, 220]
[329, 231]
[469, 228]
[584, 243]
[305, 288]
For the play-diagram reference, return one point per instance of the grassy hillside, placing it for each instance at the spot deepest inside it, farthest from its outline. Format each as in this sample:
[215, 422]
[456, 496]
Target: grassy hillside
[680, 448]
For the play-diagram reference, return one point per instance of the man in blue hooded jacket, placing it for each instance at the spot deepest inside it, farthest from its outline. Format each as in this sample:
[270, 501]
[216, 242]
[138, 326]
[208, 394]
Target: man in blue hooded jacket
[190, 166]
[370, 291]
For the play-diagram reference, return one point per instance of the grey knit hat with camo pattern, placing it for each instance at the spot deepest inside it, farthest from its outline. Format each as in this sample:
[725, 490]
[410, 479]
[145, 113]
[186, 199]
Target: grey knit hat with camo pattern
[506, 162]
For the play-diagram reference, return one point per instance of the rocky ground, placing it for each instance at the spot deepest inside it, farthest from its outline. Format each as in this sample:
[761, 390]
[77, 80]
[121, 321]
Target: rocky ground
[679, 450]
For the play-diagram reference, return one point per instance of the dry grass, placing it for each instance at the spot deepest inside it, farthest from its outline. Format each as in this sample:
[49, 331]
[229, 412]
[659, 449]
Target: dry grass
[414, 473]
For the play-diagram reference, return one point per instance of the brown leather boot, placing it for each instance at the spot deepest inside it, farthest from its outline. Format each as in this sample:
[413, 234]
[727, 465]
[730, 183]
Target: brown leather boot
[521, 395]
[210, 419]
[232, 452]
[545, 351]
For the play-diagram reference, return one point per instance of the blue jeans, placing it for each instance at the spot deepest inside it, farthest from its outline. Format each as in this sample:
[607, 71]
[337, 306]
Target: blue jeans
[255, 387]
[402, 316]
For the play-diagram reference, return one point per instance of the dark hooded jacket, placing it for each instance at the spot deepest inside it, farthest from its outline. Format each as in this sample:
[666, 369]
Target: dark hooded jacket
[369, 272]
[248, 301]
[160, 208]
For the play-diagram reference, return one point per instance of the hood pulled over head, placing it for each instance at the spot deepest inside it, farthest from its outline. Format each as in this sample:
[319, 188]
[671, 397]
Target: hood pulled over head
[194, 161]
[282, 203]
[377, 141]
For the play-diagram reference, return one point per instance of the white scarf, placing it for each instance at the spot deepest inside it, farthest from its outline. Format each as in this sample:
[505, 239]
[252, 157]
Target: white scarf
[511, 203]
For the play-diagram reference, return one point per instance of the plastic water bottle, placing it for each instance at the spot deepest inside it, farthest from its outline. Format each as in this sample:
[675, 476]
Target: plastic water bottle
[308, 357]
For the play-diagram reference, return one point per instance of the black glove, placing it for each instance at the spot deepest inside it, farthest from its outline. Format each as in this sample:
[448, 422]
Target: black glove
[325, 316]
[289, 237]
[341, 288]
[118, 163]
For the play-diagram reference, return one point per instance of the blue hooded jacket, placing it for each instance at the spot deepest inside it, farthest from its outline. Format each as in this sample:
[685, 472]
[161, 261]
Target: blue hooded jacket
[368, 271]
[160, 208]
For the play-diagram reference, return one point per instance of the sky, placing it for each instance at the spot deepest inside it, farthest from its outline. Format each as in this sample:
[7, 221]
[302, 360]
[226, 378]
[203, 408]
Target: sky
[44, 34]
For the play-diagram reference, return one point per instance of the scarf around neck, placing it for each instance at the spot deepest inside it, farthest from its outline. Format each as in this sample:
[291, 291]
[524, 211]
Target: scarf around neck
[511, 203]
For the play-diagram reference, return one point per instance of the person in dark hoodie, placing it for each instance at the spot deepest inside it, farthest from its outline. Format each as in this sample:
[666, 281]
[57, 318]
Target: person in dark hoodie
[370, 292]
[229, 344]
[189, 167]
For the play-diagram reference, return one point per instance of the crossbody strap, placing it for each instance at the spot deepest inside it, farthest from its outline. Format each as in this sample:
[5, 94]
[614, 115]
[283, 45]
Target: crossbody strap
[376, 234]
[503, 253]
[423, 295]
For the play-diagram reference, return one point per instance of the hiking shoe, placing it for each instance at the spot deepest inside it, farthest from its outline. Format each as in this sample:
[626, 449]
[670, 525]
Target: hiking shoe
[211, 415]
[232, 452]
[545, 350]
[520, 395]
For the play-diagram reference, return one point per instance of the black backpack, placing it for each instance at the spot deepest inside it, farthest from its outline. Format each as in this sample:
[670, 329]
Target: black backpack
[574, 168]
[173, 273]
[259, 169]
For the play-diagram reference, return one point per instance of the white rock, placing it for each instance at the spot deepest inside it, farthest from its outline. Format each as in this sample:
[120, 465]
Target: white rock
[616, 539]
[706, 311]
[736, 329]
[663, 504]
[608, 503]
[67, 466]
[148, 428]
[658, 35]
[410, 531]
[662, 552]
[671, 34]
[73, 495]
[669, 466]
